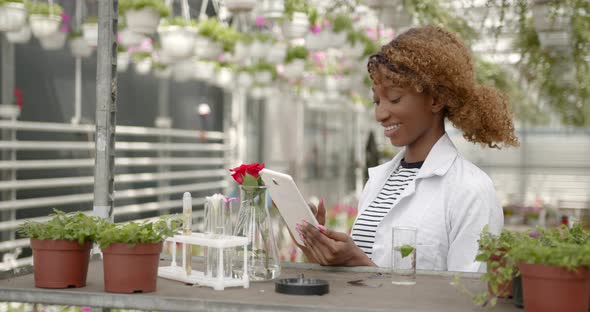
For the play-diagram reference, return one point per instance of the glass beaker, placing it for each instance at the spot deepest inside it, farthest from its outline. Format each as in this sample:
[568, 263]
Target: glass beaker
[404, 256]
[254, 223]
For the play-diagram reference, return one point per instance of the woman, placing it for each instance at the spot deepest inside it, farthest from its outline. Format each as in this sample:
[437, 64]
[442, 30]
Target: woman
[420, 78]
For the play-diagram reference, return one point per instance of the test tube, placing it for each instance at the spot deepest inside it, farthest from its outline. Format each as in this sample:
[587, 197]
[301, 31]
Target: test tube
[187, 213]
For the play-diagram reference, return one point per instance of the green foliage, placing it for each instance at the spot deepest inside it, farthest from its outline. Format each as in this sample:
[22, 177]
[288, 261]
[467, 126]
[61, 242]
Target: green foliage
[178, 21]
[91, 20]
[133, 233]
[75, 34]
[212, 29]
[138, 56]
[297, 52]
[7, 1]
[42, 8]
[303, 6]
[158, 5]
[406, 250]
[341, 22]
[74, 226]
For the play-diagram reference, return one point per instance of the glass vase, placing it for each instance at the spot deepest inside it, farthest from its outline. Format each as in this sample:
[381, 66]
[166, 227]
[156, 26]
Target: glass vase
[254, 222]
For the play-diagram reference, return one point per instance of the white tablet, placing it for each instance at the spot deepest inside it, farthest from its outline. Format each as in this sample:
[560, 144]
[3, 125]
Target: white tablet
[289, 200]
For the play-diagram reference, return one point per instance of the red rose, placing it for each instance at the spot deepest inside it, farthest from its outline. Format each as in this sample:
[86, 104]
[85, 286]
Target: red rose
[238, 173]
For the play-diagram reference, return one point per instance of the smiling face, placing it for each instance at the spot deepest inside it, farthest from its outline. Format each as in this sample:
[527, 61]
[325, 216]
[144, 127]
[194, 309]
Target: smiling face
[409, 118]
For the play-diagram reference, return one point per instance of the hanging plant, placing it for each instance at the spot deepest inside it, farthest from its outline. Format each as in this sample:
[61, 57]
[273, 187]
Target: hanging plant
[13, 15]
[44, 18]
[143, 16]
[78, 45]
[90, 31]
[178, 36]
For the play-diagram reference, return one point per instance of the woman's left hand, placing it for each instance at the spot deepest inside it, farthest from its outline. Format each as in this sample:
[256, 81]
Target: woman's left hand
[332, 248]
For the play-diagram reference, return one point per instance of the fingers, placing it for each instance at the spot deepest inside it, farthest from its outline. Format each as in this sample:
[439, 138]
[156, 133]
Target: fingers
[317, 238]
[321, 213]
[337, 236]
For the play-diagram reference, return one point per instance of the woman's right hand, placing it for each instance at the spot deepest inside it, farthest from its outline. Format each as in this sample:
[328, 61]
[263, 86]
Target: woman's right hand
[320, 216]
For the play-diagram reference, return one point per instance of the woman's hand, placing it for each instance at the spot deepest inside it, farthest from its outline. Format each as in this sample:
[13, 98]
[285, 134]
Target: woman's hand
[332, 248]
[320, 216]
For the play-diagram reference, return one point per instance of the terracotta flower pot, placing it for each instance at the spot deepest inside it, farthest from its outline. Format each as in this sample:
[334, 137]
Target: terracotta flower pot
[504, 289]
[60, 263]
[551, 288]
[131, 269]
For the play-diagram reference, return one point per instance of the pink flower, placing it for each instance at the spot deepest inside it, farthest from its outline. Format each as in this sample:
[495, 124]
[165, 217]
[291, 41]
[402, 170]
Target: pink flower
[86, 309]
[316, 29]
[260, 21]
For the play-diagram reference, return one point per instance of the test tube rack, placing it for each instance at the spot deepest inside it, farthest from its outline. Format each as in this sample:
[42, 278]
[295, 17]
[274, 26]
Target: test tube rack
[178, 273]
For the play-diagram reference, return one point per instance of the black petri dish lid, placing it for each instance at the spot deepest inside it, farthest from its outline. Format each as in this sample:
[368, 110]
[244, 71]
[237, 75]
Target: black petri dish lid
[302, 286]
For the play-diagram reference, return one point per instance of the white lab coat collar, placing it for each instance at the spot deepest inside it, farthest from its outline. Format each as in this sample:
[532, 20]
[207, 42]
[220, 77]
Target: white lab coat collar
[439, 160]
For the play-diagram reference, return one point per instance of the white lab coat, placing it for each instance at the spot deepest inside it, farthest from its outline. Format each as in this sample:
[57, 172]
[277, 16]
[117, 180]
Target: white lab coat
[449, 202]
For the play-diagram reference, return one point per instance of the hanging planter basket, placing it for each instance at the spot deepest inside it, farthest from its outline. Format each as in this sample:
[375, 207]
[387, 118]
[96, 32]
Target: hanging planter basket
[44, 25]
[395, 16]
[143, 66]
[204, 71]
[259, 49]
[163, 72]
[54, 42]
[263, 77]
[544, 21]
[240, 6]
[144, 21]
[178, 41]
[559, 40]
[13, 16]
[277, 53]
[130, 38]
[123, 59]
[245, 80]
[297, 27]
[353, 51]
[20, 36]
[80, 48]
[183, 71]
[272, 9]
[90, 33]
[242, 51]
[315, 42]
[224, 77]
[208, 49]
[294, 70]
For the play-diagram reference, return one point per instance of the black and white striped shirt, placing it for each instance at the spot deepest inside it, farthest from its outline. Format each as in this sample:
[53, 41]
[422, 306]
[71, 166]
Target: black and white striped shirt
[363, 230]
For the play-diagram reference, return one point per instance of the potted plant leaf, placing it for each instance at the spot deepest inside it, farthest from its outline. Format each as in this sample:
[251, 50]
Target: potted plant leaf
[131, 253]
[13, 15]
[178, 36]
[295, 62]
[61, 248]
[44, 18]
[90, 31]
[143, 16]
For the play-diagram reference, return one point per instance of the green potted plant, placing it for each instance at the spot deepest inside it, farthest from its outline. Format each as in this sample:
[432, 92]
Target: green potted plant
[493, 251]
[61, 248]
[44, 18]
[555, 274]
[126, 36]
[131, 253]
[143, 16]
[13, 15]
[178, 36]
[264, 73]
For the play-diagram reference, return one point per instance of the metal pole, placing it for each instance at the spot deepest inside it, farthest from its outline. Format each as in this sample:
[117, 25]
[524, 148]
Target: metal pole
[8, 78]
[106, 108]
[78, 78]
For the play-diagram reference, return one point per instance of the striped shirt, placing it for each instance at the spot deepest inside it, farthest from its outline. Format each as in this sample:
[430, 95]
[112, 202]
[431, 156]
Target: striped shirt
[363, 230]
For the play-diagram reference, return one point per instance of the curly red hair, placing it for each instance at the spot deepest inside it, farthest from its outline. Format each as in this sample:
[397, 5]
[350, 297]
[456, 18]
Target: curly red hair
[433, 60]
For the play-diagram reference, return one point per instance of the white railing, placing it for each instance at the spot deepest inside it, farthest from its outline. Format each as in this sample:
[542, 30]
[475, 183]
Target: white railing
[169, 161]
